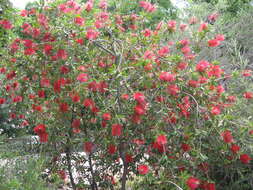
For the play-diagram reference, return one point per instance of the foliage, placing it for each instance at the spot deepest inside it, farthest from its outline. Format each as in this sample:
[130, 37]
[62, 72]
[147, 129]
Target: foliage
[231, 7]
[138, 100]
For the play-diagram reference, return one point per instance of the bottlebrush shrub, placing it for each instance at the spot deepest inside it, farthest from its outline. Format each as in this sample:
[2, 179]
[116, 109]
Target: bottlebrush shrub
[134, 99]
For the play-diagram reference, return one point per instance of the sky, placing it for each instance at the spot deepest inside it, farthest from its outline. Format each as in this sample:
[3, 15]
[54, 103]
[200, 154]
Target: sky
[22, 3]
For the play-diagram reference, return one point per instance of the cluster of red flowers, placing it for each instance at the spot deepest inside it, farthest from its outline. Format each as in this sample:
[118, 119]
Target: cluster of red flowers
[40, 130]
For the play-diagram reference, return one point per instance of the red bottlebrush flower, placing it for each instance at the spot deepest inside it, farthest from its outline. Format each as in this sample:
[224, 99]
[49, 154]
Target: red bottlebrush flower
[193, 83]
[172, 25]
[210, 186]
[213, 43]
[103, 4]
[40, 129]
[89, 6]
[91, 34]
[76, 123]
[106, 116]
[159, 26]
[185, 147]
[64, 107]
[17, 99]
[25, 123]
[148, 67]
[136, 118]
[125, 96]
[64, 69]
[173, 89]
[139, 109]
[182, 65]
[116, 130]
[247, 73]
[213, 17]
[186, 50]
[83, 77]
[215, 71]
[184, 42]
[57, 86]
[43, 137]
[2, 70]
[102, 87]
[231, 99]
[79, 41]
[220, 37]
[2, 101]
[139, 141]
[227, 136]
[41, 94]
[75, 98]
[29, 51]
[12, 115]
[245, 159]
[168, 77]
[248, 95]
[147, 6]
[47, 49]
[103, 123]
[6, 24]
[183, 27]
[163, 51]
[147, 32]
[203, 26]
[202, 66]
[161, 139]
[111, 149]
[62, 54]
[139, 97]
[45, 82]
[88, 147]
[215, 110]
[10, 75]
[128, 158]
[143, 169]
[79, 21]
[235, 148]
[193, 183]
[88, 103]
[148, 55]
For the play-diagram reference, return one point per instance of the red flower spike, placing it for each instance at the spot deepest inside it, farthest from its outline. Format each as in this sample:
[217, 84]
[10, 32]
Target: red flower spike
[213, 43]
[63, 107]
[128, 158]
[193, 183]
[185, 147]
[83, 77]
[111, 149]
[245, 159]
[88, 147]
[168, 77]
[227, 136]
[106, 116]
[143, 169]
[235, 148]
[116, 130]
[161, 139]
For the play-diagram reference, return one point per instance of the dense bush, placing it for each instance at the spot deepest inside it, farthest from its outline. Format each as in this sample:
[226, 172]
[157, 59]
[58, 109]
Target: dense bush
[137, 100]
